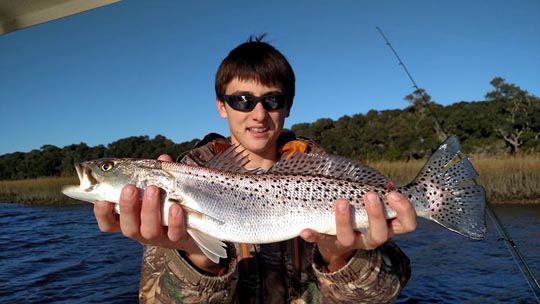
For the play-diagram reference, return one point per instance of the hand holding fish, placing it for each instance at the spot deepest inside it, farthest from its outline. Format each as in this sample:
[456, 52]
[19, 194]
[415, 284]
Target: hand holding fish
[336, 250]
[141, 221]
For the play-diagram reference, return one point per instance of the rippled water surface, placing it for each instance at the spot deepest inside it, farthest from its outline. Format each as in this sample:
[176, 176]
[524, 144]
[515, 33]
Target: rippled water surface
[58, 255]
[448, 268]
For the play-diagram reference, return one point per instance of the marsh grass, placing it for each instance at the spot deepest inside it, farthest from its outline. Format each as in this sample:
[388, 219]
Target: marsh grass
[510, 179]
[506, 180]
[42, 191]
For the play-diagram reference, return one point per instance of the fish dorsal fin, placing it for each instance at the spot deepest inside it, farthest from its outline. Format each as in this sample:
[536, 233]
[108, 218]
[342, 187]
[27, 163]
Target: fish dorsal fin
[329, 166]
[230, 160]
[210, 246]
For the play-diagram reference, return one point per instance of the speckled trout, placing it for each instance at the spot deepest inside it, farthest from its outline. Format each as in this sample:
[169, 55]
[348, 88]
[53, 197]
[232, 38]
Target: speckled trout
[225, 202]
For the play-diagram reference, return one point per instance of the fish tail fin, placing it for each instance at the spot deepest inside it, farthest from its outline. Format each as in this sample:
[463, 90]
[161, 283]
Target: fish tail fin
[444, 191]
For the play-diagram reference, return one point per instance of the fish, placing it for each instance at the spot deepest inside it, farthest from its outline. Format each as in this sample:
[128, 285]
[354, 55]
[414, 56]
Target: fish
[227, 202]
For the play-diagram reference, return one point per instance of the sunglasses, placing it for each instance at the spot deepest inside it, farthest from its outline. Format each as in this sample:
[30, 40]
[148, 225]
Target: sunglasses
[246, 103]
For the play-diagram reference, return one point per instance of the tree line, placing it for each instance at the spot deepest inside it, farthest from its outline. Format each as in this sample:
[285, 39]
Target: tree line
[507, 122]
[50, 160]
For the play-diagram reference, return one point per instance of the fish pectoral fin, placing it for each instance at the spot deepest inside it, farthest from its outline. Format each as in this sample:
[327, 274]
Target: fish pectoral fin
[210, 246]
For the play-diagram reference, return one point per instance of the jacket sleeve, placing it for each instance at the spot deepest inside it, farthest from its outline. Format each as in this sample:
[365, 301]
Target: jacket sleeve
[374, 276]
[168, 277]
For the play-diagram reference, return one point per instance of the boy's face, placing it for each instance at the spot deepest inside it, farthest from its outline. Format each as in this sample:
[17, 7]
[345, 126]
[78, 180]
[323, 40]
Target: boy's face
[256, 131]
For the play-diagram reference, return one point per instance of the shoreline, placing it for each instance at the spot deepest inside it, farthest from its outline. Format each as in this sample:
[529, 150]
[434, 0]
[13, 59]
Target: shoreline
[506, 180]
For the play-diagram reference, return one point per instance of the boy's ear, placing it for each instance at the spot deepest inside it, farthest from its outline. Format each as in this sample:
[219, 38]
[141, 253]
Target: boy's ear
[220, 105]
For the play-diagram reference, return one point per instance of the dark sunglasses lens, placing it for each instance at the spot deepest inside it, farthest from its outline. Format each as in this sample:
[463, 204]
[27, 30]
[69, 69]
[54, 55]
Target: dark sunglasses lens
[274, 102]
[247, 103]
[241, 103]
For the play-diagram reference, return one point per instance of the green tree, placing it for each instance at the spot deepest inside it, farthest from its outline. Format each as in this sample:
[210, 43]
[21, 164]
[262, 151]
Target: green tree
[133, 147]
[302, 129]
[11, 165]
[51, 159]
[519, 111]
[422, 106]
[73, 154]
[319, 127]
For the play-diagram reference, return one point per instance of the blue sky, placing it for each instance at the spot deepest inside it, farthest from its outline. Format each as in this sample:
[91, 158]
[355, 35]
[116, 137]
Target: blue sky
[147, 67]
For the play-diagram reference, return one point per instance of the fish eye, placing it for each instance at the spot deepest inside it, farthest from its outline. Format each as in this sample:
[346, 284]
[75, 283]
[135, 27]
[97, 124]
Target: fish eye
[106, 166]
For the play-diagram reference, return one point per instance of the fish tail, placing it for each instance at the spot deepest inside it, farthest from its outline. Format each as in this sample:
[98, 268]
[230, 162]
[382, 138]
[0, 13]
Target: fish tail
[444, 191]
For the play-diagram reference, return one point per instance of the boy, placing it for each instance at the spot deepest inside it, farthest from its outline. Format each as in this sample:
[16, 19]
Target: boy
[254, 91]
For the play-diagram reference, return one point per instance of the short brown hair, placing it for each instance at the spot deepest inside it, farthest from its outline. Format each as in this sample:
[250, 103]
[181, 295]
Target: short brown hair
[259, 61]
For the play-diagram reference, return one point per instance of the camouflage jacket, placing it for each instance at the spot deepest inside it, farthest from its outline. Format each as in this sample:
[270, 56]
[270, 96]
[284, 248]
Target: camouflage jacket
[285, 272]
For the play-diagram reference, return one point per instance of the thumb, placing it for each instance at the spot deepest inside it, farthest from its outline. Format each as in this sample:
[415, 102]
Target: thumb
[165, 157]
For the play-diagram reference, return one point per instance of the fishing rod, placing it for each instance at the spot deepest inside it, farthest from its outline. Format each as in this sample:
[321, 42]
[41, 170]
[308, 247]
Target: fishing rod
[519, 259]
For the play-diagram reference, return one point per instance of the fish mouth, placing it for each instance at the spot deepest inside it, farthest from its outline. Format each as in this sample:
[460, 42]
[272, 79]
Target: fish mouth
[87, 180]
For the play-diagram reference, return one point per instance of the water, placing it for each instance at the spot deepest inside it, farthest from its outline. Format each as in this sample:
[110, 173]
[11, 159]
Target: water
[448, 268]
[58, 255]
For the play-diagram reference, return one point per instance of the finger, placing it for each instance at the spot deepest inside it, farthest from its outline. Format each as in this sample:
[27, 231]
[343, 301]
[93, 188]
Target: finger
[105, 217]
[377, 232]
[151, 227]
[344, 229]
[309, 235]
[177, 227]
[165, 157]
[130, 214]
[406, 215]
